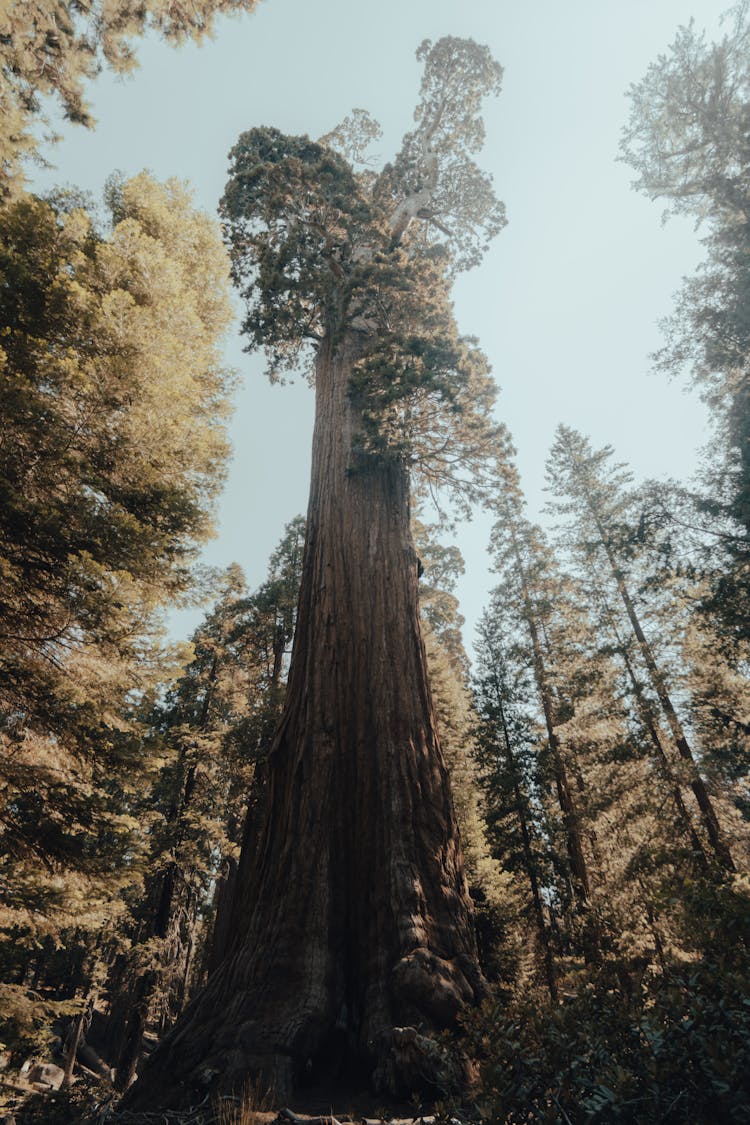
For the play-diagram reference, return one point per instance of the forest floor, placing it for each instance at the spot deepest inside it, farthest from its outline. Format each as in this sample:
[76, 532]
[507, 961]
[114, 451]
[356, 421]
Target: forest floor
[89, 1101]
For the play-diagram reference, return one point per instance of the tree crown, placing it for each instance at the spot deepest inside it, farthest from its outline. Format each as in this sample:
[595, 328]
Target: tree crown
[321, 251]
[688, 137]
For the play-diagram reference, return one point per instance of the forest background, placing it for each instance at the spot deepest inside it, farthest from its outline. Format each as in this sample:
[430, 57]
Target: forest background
[126, 779]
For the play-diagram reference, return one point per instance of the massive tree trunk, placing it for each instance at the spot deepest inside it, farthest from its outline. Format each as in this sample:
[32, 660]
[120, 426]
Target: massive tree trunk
[357, 918]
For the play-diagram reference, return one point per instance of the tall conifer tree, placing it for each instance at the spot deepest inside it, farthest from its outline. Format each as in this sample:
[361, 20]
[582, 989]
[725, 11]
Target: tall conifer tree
[687, 139]
[530, 576]
[588, 486]
[358, 919]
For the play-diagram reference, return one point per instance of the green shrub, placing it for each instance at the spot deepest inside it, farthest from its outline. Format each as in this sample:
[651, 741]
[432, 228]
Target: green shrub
[672, 1047]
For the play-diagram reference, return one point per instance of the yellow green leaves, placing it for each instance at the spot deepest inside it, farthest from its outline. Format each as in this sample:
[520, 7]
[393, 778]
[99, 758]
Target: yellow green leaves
[112, 447]
[50, 47]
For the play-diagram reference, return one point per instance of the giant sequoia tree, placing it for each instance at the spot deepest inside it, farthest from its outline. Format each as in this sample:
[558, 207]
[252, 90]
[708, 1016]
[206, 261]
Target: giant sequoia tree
[356, 921]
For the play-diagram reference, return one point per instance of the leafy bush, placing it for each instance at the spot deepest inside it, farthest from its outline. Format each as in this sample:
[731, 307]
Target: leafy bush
[668, 1048]
[26, 1018]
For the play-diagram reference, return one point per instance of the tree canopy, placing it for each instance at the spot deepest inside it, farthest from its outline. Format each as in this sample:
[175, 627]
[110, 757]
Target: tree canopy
[689, 141]
[687, 137]
[112, 450]
[49, 48]
[307, 846]
[319, 248]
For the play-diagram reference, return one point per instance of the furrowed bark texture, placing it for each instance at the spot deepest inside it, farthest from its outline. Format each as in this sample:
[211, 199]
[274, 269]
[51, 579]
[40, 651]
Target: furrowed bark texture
[356, 919]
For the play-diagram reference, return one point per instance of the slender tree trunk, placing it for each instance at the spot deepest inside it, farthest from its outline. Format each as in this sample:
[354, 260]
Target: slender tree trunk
[646, 714]
[576, 856]
[184, 985]
[128, 1055]
[72, 1051]
[548, 960]
[705, 804]
[357, 920]
[581, 883]
[595, 867]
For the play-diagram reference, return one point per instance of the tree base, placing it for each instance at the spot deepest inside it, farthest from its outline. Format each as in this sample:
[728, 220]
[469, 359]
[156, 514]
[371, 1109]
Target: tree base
[400, 1064]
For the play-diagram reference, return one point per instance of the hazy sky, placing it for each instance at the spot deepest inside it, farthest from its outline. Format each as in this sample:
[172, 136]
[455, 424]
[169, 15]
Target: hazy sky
[566, 303]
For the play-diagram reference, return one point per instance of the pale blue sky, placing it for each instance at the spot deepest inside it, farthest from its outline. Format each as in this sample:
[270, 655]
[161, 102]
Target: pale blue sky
[566, 303]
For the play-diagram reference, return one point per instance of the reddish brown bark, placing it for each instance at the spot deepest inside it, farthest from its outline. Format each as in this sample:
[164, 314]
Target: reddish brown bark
[357, 918]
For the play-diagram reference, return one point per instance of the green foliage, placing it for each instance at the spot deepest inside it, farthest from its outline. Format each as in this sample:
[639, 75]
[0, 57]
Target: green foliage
[353, 136]
[513, 774]
[25, 1018]
[425, 394]
[113, 442]
[687, 134]
[442, 566]
[434, 177]
[539, 691]
[113, 448]
[624, 1045]
[688, 141]
[656, 1026]
[591, 801]
[51, 47]
[293, 212]
[656, 633]
[355, 264]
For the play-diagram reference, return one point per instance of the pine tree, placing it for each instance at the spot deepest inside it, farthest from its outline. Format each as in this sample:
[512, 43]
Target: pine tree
[440, 568]
[687, 139]
[645, 712]
[508, 743]
[525, 562]
[595, 492]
